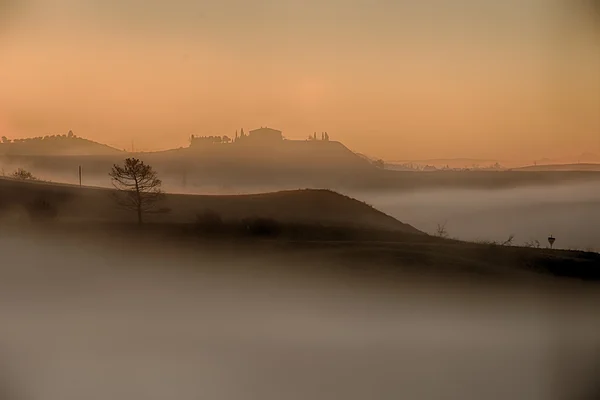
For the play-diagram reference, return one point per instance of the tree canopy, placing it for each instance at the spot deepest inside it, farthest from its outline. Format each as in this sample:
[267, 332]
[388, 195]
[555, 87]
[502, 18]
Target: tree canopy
[138, 186]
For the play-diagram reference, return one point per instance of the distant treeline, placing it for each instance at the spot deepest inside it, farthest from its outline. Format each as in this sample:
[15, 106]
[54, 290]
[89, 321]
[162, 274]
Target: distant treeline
[69, 135]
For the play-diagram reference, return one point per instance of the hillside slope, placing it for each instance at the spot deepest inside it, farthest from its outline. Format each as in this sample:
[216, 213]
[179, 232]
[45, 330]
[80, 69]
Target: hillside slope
[20, 199]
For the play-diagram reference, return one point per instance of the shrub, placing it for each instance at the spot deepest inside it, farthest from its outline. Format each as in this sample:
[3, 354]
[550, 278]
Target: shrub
[509, 241]
[23, 175]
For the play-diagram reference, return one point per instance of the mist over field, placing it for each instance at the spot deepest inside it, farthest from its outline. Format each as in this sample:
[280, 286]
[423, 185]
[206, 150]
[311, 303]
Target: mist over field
[530, 206]
[570, 212]
[98, 320]
[205, 200]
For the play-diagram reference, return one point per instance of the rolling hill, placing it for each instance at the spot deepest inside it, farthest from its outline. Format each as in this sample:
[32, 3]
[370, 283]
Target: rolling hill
[318, 226]
[250, 168]
[289, 164]
[21, 200]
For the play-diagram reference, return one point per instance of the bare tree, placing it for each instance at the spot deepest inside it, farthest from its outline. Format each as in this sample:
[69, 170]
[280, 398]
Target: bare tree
[441, 230]
[509, 241]
[138, 186]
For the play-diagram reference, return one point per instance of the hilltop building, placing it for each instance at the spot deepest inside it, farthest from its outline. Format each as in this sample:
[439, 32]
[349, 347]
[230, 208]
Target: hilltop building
[265, 135]
[261, 136]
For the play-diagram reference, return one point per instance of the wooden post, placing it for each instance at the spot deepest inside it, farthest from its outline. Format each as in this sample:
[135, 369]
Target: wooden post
[80, 176]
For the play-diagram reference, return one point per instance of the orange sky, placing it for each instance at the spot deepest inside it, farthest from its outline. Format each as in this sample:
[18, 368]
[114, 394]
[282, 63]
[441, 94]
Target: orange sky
[484, 79]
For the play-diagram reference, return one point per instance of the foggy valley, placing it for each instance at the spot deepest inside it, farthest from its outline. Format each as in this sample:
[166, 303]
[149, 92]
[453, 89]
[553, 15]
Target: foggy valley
[567, 208]
[237, 284]
[112, 320]
[294, 200]
[569, 212]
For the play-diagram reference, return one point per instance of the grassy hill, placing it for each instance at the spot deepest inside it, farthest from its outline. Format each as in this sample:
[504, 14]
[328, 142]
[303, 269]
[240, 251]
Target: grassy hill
[55, 145]
[21, 199]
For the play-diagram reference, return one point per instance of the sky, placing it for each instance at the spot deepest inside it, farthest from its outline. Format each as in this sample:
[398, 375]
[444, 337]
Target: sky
[395, 79]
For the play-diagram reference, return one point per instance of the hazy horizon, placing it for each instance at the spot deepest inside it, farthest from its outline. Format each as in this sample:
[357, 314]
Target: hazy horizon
[499, 80]
[264, 268]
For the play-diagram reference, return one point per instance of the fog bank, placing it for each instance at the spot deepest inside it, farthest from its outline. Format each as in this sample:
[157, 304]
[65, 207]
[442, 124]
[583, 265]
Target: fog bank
[570, 212]
[87, 321]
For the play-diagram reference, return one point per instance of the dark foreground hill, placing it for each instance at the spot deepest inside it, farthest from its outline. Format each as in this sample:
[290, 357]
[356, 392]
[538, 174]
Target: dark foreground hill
[349, 253]
[67, 203]
[307, 227]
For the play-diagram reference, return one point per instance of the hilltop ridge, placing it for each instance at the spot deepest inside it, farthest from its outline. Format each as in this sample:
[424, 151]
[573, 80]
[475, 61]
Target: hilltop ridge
[55, 145]
[224, 165]
[262, 157]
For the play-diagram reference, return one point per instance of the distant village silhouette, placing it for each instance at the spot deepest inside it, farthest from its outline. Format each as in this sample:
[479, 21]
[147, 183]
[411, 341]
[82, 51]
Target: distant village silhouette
[262, 135]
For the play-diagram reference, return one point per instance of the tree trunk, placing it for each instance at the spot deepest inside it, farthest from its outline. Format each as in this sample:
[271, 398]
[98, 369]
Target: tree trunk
[139, 201]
